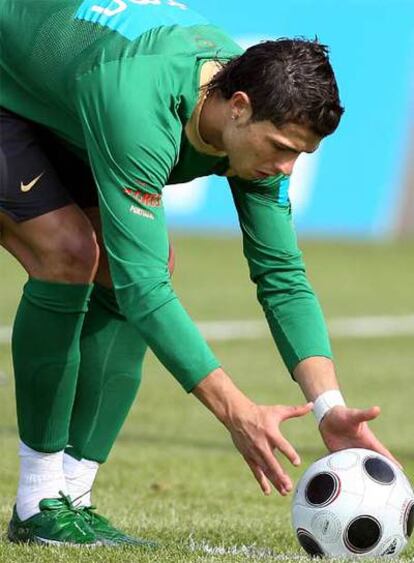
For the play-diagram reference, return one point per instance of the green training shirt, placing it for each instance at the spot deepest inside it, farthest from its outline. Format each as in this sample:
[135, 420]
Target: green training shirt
[119, 82]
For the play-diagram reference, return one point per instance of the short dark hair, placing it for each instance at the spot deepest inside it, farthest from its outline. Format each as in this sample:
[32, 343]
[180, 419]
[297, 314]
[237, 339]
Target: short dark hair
[287, 80]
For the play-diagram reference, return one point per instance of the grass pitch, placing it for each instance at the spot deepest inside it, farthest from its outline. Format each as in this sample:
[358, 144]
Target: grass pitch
[173, 475]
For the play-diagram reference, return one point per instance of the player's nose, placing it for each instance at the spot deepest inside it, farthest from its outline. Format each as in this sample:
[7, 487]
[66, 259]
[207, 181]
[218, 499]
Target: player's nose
[285, 168]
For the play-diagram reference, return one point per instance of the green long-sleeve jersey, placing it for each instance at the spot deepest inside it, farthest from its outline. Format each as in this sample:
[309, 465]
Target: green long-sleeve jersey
[119, 82]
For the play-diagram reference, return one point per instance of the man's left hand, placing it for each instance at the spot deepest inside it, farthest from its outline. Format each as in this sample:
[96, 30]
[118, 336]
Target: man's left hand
[344, 427]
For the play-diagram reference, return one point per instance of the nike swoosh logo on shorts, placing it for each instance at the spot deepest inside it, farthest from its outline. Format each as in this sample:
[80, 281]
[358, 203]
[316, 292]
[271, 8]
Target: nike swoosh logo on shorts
[29, 186]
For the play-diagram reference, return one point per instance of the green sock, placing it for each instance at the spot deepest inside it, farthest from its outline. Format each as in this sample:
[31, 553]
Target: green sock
[112, 353]
[45, 349]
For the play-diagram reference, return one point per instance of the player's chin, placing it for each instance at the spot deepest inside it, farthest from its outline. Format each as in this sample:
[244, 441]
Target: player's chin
[248, 175]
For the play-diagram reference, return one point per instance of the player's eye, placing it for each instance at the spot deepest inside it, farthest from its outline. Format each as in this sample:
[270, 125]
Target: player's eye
[283, 148]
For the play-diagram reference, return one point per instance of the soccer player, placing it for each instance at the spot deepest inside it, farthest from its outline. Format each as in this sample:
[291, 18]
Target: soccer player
[104, 103]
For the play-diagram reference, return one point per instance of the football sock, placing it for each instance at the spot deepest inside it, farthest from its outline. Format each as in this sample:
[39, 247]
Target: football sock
[45, 349]
[79, 476]
[41, 476]
[112, 352]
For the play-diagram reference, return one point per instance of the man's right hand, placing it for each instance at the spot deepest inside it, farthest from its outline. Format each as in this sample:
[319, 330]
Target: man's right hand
[256, 434]
[254, 429]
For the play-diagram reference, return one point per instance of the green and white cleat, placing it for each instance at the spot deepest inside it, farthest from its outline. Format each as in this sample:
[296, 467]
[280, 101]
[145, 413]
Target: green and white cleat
[108, 534]
[58, 523]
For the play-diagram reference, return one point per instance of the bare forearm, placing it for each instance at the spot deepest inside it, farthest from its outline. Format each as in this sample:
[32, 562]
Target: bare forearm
[316, 375]
[221, 396]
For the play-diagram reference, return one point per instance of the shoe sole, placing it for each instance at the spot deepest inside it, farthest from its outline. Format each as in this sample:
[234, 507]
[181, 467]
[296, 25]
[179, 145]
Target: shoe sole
[45, 542]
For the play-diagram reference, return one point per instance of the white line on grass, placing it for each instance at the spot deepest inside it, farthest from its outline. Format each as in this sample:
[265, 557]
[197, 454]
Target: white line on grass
[351, 327]
[5, 334]
[245, 550]
[341, 327]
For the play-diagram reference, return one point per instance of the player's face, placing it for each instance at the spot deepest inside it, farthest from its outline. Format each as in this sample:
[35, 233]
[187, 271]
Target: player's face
[258, 149]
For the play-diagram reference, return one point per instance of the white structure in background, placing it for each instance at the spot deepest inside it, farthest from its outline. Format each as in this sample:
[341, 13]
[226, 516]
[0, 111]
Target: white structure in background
[184, 199]
[302, 182]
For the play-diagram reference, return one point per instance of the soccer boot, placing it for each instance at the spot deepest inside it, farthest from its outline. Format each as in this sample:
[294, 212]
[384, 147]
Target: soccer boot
[108, 534]
[57, 523]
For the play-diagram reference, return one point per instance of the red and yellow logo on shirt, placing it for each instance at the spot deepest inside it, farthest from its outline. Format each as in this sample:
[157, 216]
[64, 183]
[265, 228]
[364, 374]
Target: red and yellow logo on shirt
[149, 200]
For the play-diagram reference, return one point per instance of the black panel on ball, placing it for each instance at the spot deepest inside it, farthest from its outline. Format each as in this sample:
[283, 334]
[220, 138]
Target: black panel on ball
[363, 534]
[309, 544]
[409, 523]
[379, 470]
[322, 489]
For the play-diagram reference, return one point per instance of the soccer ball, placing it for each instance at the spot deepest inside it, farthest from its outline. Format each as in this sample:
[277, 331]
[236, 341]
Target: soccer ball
[353, 503]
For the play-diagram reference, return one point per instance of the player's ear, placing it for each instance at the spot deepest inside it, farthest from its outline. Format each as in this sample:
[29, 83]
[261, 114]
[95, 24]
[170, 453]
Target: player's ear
[240, 107]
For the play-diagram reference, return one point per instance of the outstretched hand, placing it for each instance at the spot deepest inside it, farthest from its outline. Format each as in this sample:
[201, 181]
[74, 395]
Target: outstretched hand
[344, 427]
[257, 436]
[254, 429]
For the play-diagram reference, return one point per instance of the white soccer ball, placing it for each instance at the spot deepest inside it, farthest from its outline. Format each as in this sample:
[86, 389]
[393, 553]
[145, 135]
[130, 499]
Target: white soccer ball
[354, 503]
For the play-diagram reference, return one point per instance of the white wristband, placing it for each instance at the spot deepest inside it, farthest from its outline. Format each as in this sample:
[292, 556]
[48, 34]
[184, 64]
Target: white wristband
[325, 402]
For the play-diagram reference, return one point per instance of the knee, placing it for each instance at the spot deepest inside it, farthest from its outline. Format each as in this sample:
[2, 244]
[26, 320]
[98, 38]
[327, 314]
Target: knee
[72, 258]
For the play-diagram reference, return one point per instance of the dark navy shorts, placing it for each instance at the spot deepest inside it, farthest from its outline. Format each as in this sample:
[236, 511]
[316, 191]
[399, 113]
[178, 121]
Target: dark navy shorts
[38, 173]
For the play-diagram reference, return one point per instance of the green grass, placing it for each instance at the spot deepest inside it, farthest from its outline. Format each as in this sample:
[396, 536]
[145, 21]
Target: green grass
[173, 475]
